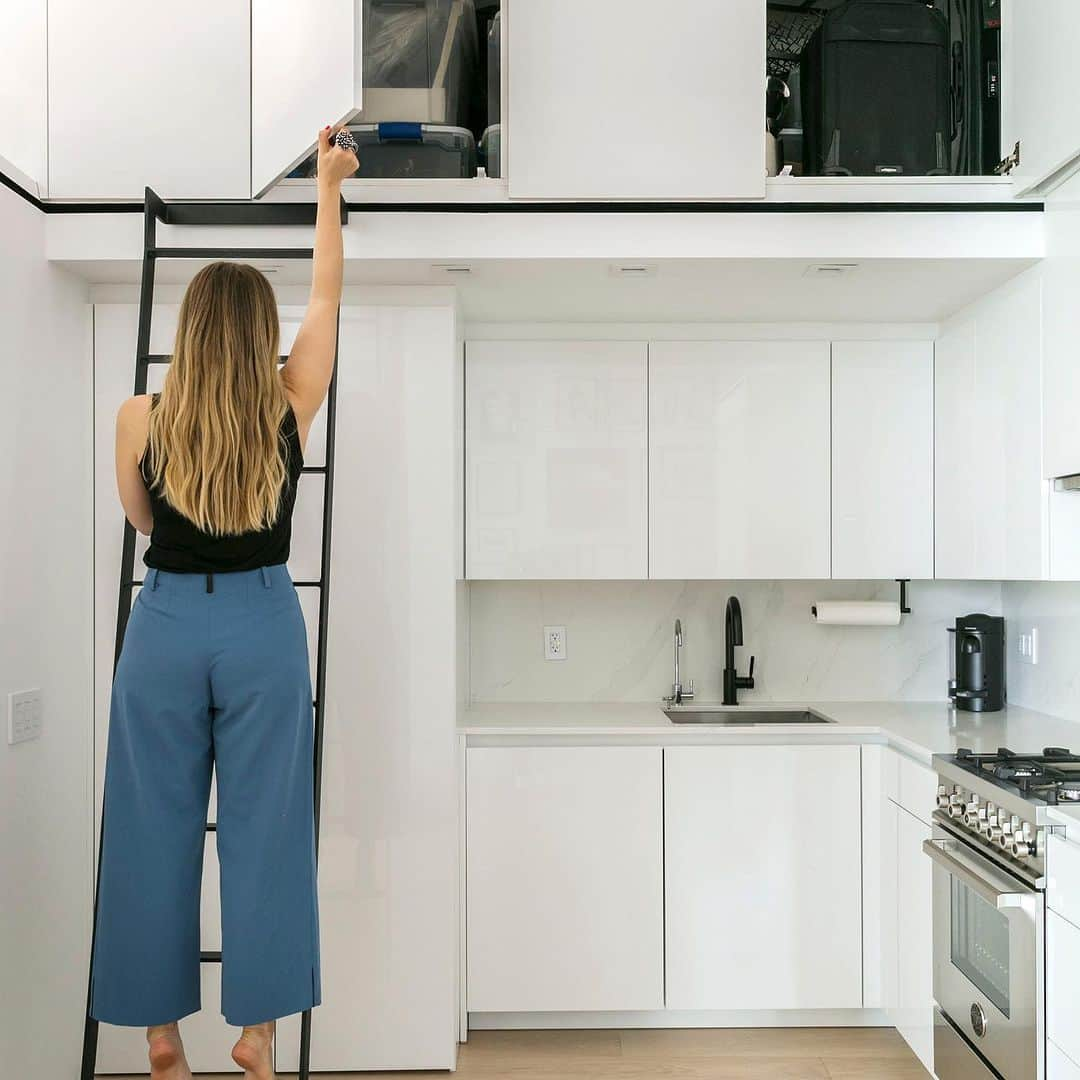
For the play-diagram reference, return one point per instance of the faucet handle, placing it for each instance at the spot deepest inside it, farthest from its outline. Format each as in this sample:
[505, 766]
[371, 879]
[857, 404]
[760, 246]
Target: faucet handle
[750, 673]
[689, 691]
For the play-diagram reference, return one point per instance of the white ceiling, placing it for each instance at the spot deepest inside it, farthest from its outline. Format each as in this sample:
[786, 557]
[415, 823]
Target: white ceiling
[698, 290]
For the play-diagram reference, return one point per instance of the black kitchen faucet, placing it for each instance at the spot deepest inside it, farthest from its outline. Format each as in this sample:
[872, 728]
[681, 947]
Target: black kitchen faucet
[733, 681]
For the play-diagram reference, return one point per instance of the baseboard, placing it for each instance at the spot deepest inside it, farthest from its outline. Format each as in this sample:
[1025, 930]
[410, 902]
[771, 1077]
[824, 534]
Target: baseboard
[674, 1018]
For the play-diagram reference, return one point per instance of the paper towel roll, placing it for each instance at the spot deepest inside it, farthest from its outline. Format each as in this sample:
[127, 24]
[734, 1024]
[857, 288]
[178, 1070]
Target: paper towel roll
[856, 613]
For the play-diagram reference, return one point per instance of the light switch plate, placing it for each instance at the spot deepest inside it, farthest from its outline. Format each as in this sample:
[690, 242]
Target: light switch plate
[1027, 646]
[24, 716]
[554, 642]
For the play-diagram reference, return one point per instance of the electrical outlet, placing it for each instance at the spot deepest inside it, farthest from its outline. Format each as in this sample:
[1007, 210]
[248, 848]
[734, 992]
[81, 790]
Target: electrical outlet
[554, 642]
[24, 716]
[1027, 646]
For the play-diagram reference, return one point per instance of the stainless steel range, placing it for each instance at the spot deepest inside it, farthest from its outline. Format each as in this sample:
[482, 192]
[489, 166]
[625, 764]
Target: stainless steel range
[989, 853]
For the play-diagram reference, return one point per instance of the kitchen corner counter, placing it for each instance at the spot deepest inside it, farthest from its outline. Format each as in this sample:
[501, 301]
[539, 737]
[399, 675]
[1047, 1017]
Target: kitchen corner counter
[917, 729]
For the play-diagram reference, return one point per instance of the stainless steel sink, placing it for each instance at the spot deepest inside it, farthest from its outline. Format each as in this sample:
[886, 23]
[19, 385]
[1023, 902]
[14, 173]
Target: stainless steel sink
[742, 716]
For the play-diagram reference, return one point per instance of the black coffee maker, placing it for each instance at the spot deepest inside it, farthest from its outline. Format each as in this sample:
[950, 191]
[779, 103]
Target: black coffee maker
[977, 670]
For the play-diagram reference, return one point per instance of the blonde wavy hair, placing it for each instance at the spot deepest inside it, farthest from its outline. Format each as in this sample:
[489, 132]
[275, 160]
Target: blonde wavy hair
[215, 435]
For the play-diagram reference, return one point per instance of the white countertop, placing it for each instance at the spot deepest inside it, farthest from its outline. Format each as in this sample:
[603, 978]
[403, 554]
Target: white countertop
[917, 729]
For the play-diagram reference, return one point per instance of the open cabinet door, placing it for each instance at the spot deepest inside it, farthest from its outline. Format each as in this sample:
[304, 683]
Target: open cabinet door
[306, 72]
[617, 100]
[1041, 106]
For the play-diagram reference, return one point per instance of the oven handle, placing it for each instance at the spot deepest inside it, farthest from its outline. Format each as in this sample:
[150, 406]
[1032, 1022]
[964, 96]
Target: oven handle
[945, 854]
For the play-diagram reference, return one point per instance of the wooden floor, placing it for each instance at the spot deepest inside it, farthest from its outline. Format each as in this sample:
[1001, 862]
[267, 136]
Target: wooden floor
[727, 1054]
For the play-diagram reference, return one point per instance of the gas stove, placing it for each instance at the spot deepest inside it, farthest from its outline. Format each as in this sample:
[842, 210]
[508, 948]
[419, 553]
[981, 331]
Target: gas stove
[998, 802]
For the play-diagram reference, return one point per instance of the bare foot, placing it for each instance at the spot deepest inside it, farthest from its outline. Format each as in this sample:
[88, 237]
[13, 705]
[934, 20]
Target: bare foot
[254, 1051]
[167, 1060]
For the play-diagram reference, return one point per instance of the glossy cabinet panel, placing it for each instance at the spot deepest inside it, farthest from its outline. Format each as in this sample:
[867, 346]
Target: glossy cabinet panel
[882, 459]
[1062, 963]
[914, 949]
[739, 459]
[675, 99]
[565, 879]
[769, 918]
[130, 103]
[555, 448]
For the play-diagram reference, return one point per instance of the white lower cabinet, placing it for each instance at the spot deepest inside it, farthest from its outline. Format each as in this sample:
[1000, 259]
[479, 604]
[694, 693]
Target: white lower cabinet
[1059, 1066]
[1062, 963]
[565, 879]
[763, 898]
[914, 938]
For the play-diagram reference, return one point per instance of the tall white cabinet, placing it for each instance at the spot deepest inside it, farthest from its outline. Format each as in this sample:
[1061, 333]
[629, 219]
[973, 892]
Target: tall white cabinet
[555, 467]
[388, 870]
[739, 459]
[882, 459]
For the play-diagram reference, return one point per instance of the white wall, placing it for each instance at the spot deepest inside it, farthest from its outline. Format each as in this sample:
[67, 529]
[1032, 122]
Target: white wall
[1052, 685]
[45, 641]
[619, 639]
[23, 88]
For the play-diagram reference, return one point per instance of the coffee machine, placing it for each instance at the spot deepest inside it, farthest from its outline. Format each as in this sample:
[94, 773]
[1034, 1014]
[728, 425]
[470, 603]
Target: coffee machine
[977, 663]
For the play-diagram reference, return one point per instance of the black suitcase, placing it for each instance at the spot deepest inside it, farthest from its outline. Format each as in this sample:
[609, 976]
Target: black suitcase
[876, 91]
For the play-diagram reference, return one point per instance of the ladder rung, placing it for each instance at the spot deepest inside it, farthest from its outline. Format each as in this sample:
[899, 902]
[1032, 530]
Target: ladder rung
[210, 957]
[307, 584]
[211, 826]
[228, 253]
[166, 358]
[240, 213]
[313, 469]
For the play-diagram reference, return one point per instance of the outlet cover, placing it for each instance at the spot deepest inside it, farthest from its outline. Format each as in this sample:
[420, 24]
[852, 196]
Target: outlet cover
[554, 642]
[1027, 645]
[24, 716]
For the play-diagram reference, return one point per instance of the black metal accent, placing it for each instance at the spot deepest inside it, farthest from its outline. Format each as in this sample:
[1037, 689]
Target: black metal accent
[903, 583]
[154, 210]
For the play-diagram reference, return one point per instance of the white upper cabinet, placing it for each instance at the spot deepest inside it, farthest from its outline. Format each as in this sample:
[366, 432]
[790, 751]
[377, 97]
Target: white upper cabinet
[739, 459]
[610, 100]
[991, 501]
[555, 459]
[306, 72]
[23, 90]
[882, 459]
[149, 95]
[1041, 109]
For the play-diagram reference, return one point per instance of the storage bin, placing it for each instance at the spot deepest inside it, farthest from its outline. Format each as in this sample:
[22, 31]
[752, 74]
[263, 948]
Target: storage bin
[405, 151]
[491, 150]
[419, 61]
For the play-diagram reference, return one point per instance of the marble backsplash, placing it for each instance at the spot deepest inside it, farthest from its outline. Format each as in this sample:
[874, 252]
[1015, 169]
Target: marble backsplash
[1053, 608]
[619, 639]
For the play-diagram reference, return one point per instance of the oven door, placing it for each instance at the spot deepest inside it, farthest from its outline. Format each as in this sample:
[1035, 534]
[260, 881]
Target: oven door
[988, 958]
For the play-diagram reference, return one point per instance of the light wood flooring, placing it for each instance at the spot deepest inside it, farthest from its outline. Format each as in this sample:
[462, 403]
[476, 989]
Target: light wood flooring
[725, 1054]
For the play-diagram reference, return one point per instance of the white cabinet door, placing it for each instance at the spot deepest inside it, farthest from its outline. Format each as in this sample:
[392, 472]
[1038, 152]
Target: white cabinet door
[610, 100]
[555, 440]
[565, 879]
[306, 72]
[1059, 1066]
[763, 899]
[1062, 959]
[882, 459]
[24, 89]
[149, 94]
[915, 990]
[991, 503]
[1040, 106]
[739, 459]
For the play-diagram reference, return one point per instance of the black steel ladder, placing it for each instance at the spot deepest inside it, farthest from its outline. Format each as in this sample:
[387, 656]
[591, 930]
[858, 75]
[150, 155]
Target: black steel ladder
[224, 213]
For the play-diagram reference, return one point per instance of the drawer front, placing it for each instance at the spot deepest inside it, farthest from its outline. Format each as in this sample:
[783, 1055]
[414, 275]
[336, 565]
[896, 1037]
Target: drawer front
[1059, 1066]
[1062, 963]
[917, 788]
[1063, 877]
[953, 1058]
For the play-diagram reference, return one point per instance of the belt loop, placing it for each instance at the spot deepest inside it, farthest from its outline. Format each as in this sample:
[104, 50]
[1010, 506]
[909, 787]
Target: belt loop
[210, 582]
[153, 576]
[265, 576]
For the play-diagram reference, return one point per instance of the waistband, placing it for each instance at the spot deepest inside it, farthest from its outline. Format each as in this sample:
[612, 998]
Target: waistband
[229, 581]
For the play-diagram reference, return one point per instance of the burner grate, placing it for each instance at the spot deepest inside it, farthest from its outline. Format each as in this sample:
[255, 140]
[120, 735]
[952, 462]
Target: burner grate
[1038, 776]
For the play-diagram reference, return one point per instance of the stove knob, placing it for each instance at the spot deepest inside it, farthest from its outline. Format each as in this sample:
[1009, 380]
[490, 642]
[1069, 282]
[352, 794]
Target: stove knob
[1020, 849]
[955, 810]
[957, 797]
[974, 817]
[942, 797]
[994, 834]
[990, 826]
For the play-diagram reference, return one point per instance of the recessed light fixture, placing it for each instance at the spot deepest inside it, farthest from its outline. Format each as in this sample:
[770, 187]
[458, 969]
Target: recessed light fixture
[453, 269]
[830, 270]
[632, 270]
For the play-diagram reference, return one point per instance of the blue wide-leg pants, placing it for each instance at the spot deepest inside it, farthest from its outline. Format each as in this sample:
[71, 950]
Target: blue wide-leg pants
[209, 680]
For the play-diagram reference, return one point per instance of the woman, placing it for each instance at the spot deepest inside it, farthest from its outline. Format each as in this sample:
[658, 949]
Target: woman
[214, 668]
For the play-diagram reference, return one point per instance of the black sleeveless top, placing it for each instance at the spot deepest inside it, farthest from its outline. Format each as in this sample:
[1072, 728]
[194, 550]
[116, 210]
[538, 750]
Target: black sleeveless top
[177, 544]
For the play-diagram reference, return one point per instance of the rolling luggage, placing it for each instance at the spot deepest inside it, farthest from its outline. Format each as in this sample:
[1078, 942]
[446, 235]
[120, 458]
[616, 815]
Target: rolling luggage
[876, 91]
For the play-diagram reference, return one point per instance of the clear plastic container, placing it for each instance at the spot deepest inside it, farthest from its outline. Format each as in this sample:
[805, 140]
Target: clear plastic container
[491, 150]
[407, 151]
[420, 59]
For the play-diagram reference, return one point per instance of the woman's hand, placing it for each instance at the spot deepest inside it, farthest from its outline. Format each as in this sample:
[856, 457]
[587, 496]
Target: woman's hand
[334, 164]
